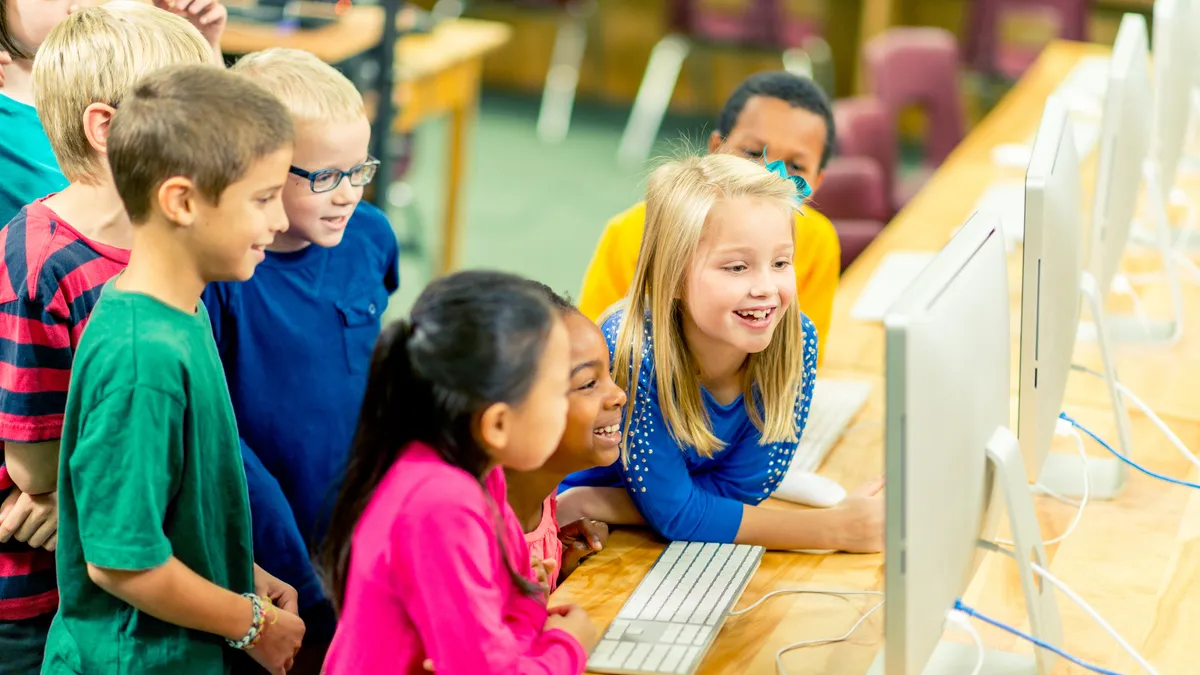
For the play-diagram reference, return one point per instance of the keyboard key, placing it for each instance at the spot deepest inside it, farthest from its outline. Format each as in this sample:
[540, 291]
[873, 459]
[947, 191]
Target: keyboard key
[637, 658]
[621, 653]
[702, 634]
[670, 663]
[687, 635]
[616, 629]
[671, 633]
[655, 658]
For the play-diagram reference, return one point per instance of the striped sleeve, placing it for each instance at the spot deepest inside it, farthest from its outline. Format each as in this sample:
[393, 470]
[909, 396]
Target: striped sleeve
[35, 354]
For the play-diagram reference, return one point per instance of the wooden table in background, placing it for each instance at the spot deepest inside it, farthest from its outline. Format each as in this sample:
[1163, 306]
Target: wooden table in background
[1135, 559]
[434, 74]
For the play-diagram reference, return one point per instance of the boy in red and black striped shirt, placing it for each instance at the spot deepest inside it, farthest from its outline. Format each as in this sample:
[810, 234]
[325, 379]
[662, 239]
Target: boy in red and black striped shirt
[55, 257]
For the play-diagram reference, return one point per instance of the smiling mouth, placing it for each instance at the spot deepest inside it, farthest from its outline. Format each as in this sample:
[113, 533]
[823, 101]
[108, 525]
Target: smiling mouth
[611, 432]
[755, 317]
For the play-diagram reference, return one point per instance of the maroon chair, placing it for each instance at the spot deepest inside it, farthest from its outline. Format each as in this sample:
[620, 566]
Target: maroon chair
[987, 54]
[919, 66]
[865, 129]
[852, 195]
[749, 24]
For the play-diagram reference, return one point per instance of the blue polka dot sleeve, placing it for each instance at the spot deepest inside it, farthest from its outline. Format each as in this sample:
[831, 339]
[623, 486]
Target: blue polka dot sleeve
[687, 498]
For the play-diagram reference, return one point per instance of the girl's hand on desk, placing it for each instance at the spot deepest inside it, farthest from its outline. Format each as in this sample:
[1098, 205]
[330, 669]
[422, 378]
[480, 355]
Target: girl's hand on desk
[861, 515]
[575, 621]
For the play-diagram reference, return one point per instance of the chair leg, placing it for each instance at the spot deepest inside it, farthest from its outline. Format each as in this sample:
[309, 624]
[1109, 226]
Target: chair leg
[653, 98]
[562, 77]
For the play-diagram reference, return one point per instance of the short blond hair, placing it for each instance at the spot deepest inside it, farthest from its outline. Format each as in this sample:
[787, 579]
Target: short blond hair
[95, 56]
[679, 198]
[312, 90]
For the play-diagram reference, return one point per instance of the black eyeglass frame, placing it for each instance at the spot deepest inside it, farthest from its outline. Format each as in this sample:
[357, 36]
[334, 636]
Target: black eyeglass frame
[314, 176]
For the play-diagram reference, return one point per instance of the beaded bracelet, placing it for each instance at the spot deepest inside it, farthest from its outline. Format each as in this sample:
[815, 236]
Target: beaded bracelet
[257, 624]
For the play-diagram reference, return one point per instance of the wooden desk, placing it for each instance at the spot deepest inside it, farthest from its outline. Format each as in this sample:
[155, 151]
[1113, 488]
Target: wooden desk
[434, 74]
[439, 74]
[1136, 559]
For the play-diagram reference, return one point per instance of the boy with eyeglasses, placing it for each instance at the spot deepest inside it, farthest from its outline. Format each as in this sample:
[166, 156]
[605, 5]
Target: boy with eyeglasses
[296, 339]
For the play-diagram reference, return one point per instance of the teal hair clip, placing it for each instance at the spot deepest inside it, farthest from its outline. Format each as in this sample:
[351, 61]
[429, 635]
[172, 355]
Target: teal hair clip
[777, 167]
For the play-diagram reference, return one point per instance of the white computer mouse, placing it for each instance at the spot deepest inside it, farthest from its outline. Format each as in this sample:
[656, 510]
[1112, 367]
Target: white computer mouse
[810, 489]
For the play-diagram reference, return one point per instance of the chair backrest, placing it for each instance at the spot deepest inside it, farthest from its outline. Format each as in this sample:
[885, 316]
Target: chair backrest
[920, 66]
[760, 23]
[866, 129]
[983, 50]
[853, 188]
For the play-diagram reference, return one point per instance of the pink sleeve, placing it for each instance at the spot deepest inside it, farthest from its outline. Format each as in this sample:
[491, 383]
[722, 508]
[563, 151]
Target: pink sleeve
[455, 589]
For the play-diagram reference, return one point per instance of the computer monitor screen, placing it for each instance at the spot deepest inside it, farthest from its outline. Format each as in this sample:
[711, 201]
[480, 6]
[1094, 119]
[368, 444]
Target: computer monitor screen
[947, 392]
[1050, 282]
[1174, 53]
[1124, 147]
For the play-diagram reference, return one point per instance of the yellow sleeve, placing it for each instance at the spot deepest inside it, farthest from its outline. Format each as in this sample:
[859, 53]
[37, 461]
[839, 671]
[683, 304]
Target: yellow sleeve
[817, 276]
[611, 270]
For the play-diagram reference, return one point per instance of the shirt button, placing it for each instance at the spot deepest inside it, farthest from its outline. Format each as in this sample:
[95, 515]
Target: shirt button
[371, 309]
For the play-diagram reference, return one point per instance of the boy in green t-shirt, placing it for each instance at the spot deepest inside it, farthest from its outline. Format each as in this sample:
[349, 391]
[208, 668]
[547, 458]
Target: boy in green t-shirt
[155, 561]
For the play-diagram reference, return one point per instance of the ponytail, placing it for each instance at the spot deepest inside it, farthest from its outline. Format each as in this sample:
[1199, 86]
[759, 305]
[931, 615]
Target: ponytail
[474, 338]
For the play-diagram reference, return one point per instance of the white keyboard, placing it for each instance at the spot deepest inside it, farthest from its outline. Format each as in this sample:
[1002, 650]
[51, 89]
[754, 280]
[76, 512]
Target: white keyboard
[834, 404]
[895, 272]
[673, 616]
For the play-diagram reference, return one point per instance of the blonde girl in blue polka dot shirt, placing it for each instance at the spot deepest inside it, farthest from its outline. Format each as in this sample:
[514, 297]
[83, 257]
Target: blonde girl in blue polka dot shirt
[719, 369]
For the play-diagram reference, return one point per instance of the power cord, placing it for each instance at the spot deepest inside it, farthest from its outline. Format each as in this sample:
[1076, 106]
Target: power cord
[963, 621]
[1127, 460]
[845, 595]
[1081, 603]
[1064, 428]
[1153, 417]
[958, 605]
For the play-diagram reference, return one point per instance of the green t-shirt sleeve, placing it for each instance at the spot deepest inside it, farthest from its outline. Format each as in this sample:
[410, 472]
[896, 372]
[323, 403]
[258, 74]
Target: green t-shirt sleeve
[124, 468]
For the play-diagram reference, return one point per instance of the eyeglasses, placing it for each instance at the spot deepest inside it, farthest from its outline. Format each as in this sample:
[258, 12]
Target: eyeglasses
[328, 179]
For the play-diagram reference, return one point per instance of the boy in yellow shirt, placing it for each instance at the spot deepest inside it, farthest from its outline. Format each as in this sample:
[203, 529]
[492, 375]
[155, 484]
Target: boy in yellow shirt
[788, 117]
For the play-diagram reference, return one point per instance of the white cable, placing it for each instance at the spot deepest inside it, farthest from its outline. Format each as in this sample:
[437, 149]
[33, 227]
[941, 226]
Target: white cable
[819, 641]
[1122, 285]
[1066, 590]
[1158, 422]
[811, 591]
[963, 621]
[1087, 489]
[1081, 603]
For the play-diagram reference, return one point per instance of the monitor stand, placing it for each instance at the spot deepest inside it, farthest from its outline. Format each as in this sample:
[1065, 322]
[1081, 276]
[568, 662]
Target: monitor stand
[1133, 330]
[954, 658]
[1063, 472]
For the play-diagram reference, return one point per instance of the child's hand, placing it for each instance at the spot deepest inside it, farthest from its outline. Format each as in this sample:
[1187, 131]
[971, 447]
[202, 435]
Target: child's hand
[862, 520]
[574, 620]
[280, 593]
[32, 519]
[584, 534]
[5, 59]
[208, 16]
[543, 569]
[276, 649]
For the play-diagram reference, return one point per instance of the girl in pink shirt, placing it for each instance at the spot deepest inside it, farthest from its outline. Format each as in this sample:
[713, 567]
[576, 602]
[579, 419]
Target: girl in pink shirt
[592, 438]
[425, 560]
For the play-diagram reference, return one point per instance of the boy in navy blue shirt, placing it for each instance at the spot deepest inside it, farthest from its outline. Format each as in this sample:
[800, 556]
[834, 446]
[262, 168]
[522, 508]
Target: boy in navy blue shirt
[296, 340]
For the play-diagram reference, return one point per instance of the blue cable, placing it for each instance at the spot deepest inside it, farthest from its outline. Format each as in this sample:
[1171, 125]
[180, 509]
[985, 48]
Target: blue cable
[958, 604]
[1125, 459]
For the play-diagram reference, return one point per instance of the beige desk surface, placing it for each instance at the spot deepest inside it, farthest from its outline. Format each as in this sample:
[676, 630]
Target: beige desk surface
[1136, 559]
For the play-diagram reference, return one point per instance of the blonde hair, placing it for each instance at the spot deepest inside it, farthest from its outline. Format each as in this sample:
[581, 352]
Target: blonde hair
[679, 198]
[312, 90]
[95, 56]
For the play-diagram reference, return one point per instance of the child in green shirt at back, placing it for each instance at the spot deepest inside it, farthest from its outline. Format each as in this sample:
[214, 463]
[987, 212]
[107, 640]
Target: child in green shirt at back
[155, 560]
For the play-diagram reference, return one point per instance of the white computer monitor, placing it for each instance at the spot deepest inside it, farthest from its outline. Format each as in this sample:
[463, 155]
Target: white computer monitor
[1051, 272]
[1174, 71]
[948, 444]
[1124, 147]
